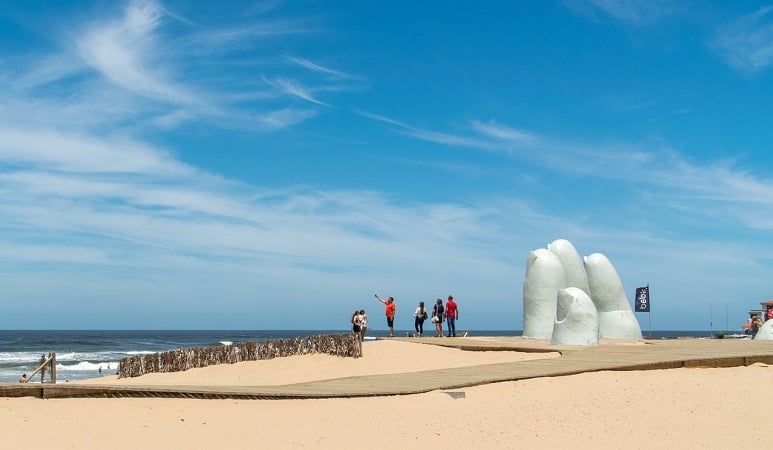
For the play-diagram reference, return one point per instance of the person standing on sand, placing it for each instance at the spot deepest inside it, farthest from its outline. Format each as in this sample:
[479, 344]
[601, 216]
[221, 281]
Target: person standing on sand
[391, 308]
[452, 315]
[356, 325]
[363, 324]
[437, 317]
[756, 324]
[420, 315]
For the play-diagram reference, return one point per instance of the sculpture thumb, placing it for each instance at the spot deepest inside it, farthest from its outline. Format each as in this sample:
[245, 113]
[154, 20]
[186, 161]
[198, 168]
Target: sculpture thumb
[576, 319]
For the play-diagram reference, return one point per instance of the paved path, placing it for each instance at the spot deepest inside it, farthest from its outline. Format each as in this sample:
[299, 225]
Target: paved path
[652, 354]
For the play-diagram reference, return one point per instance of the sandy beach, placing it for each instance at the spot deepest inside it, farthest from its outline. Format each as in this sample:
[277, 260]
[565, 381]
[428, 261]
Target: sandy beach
[676, 408]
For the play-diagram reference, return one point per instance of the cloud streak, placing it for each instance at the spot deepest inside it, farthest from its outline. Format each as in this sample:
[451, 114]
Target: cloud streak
[631, 12]
[123, 52]
[294, 89]
[486, 135]
[335, 74]
[125, 68]
[717, 191]
[746, 44]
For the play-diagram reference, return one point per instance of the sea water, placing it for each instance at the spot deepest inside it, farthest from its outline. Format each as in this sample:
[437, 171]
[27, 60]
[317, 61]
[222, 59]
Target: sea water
[82, 354]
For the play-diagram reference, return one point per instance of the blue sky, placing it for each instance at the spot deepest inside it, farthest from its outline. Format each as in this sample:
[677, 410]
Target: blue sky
[273, 164]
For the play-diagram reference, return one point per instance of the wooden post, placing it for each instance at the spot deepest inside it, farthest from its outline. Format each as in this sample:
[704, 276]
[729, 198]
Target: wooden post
[53, 367]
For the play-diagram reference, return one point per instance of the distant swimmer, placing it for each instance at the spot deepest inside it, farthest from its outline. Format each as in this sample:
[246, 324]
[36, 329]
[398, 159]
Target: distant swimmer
[23, 378]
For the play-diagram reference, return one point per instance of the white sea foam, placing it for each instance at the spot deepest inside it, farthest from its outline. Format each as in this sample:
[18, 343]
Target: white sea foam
[12, 357]
[85, 366]
[86, 356]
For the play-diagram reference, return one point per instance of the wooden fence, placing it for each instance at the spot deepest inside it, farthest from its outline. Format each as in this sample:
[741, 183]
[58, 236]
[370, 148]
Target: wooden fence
[345, 345]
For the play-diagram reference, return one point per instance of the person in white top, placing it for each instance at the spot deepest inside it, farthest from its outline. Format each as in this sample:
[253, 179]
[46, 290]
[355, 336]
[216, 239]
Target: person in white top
[363, 324]
[420, 315]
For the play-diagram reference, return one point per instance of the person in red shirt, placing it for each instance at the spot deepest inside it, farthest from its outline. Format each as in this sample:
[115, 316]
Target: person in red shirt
[391, 308]
[452, 315]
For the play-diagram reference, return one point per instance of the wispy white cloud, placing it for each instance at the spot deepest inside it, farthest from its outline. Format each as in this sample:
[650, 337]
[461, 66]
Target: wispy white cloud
[283, 118]
[455, 140]
[83, 153]
[715, 190]
[128, 189]
[238, 38]
[317, 68]
[124, 51]
[35, 253]
[501, 132]
[125, 68]
[294, 89]
[381, 118]
[632, 12]
[636, 11]
[45, 70]
[133, 207]
[487, 135]
[746, 43]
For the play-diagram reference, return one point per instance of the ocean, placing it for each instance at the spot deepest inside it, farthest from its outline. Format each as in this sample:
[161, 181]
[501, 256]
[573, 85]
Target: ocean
[80, 354]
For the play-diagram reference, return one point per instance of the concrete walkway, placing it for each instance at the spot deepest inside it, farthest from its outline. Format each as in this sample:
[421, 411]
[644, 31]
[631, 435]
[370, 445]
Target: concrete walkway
[646, 355]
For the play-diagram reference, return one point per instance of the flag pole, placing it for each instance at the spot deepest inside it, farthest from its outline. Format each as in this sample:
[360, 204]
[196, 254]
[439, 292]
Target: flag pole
[649, 311]
[642, 303]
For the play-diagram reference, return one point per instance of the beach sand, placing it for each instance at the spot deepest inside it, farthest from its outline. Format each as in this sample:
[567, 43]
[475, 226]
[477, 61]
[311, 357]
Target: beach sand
[676, 408]
[380, 357]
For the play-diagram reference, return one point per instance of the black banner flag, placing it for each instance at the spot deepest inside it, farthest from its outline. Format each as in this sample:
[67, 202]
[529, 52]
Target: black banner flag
[642, 301]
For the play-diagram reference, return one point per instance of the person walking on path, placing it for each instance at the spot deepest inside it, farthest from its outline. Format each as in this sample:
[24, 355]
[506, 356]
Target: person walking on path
[390, 310]
[420, 315]
[437, 317]
[452, 315]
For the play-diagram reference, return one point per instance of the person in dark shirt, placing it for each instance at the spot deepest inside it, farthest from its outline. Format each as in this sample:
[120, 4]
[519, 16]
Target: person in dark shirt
[437, 317]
